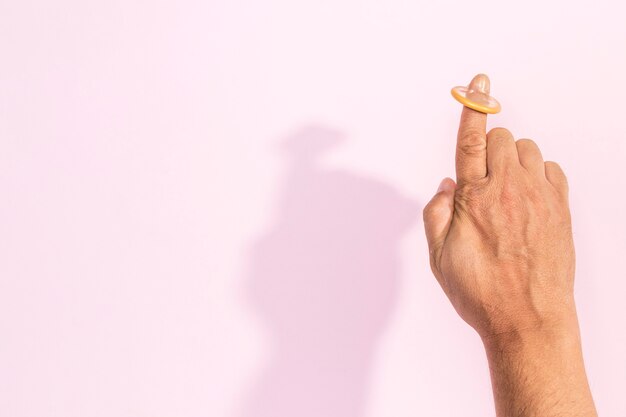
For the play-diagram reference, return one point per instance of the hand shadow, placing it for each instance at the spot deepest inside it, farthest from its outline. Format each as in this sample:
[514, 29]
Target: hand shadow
[324, 280]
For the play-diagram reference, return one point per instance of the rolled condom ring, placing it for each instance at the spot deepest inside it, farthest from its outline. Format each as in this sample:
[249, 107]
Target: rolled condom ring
[476, 95]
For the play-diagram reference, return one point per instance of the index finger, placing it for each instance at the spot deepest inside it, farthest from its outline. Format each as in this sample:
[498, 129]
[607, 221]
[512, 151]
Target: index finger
[471, 148]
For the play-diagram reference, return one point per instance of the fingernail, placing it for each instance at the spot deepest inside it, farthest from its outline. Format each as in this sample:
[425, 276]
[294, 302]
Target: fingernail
[480, 83]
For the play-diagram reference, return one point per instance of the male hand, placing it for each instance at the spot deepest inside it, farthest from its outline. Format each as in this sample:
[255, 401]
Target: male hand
[500, 240]
[501, 247]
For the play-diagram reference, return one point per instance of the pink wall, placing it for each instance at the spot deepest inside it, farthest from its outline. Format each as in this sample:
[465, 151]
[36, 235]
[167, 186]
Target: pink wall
[214, 208]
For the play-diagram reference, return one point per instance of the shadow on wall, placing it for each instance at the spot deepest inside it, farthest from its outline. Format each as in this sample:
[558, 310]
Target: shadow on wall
[324, 279]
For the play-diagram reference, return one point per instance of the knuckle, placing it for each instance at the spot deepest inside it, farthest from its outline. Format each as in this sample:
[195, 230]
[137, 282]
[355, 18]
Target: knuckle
[553, 165]
[526, 143]
[510, 195]
[555, 171]
[535, 196]
[472, 136]
[500, 132]
[471, 198]
[472, 143]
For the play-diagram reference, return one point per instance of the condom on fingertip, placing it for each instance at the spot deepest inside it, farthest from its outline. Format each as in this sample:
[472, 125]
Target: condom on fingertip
[476, 95]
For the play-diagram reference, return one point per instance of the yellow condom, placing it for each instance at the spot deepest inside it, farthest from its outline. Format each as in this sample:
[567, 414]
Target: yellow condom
[476, 100]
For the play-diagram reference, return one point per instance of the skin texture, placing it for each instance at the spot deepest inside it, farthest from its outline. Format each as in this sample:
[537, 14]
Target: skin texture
[501, 247]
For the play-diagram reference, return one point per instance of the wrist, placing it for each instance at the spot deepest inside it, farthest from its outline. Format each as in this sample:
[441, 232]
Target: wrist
[558, 324]
[555, 334]
[542, 366]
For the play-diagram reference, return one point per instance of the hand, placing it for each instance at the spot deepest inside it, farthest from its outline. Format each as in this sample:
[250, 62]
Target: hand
[501, 247]
[500, 239]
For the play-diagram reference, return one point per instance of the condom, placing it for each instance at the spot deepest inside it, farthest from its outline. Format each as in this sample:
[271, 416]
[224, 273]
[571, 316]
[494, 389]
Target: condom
[476, 100]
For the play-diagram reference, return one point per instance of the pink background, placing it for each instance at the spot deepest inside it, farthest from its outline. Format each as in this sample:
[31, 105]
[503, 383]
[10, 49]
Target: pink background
[213, 208]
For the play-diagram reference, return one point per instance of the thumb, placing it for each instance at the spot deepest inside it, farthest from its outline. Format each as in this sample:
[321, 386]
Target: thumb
[438, 217]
